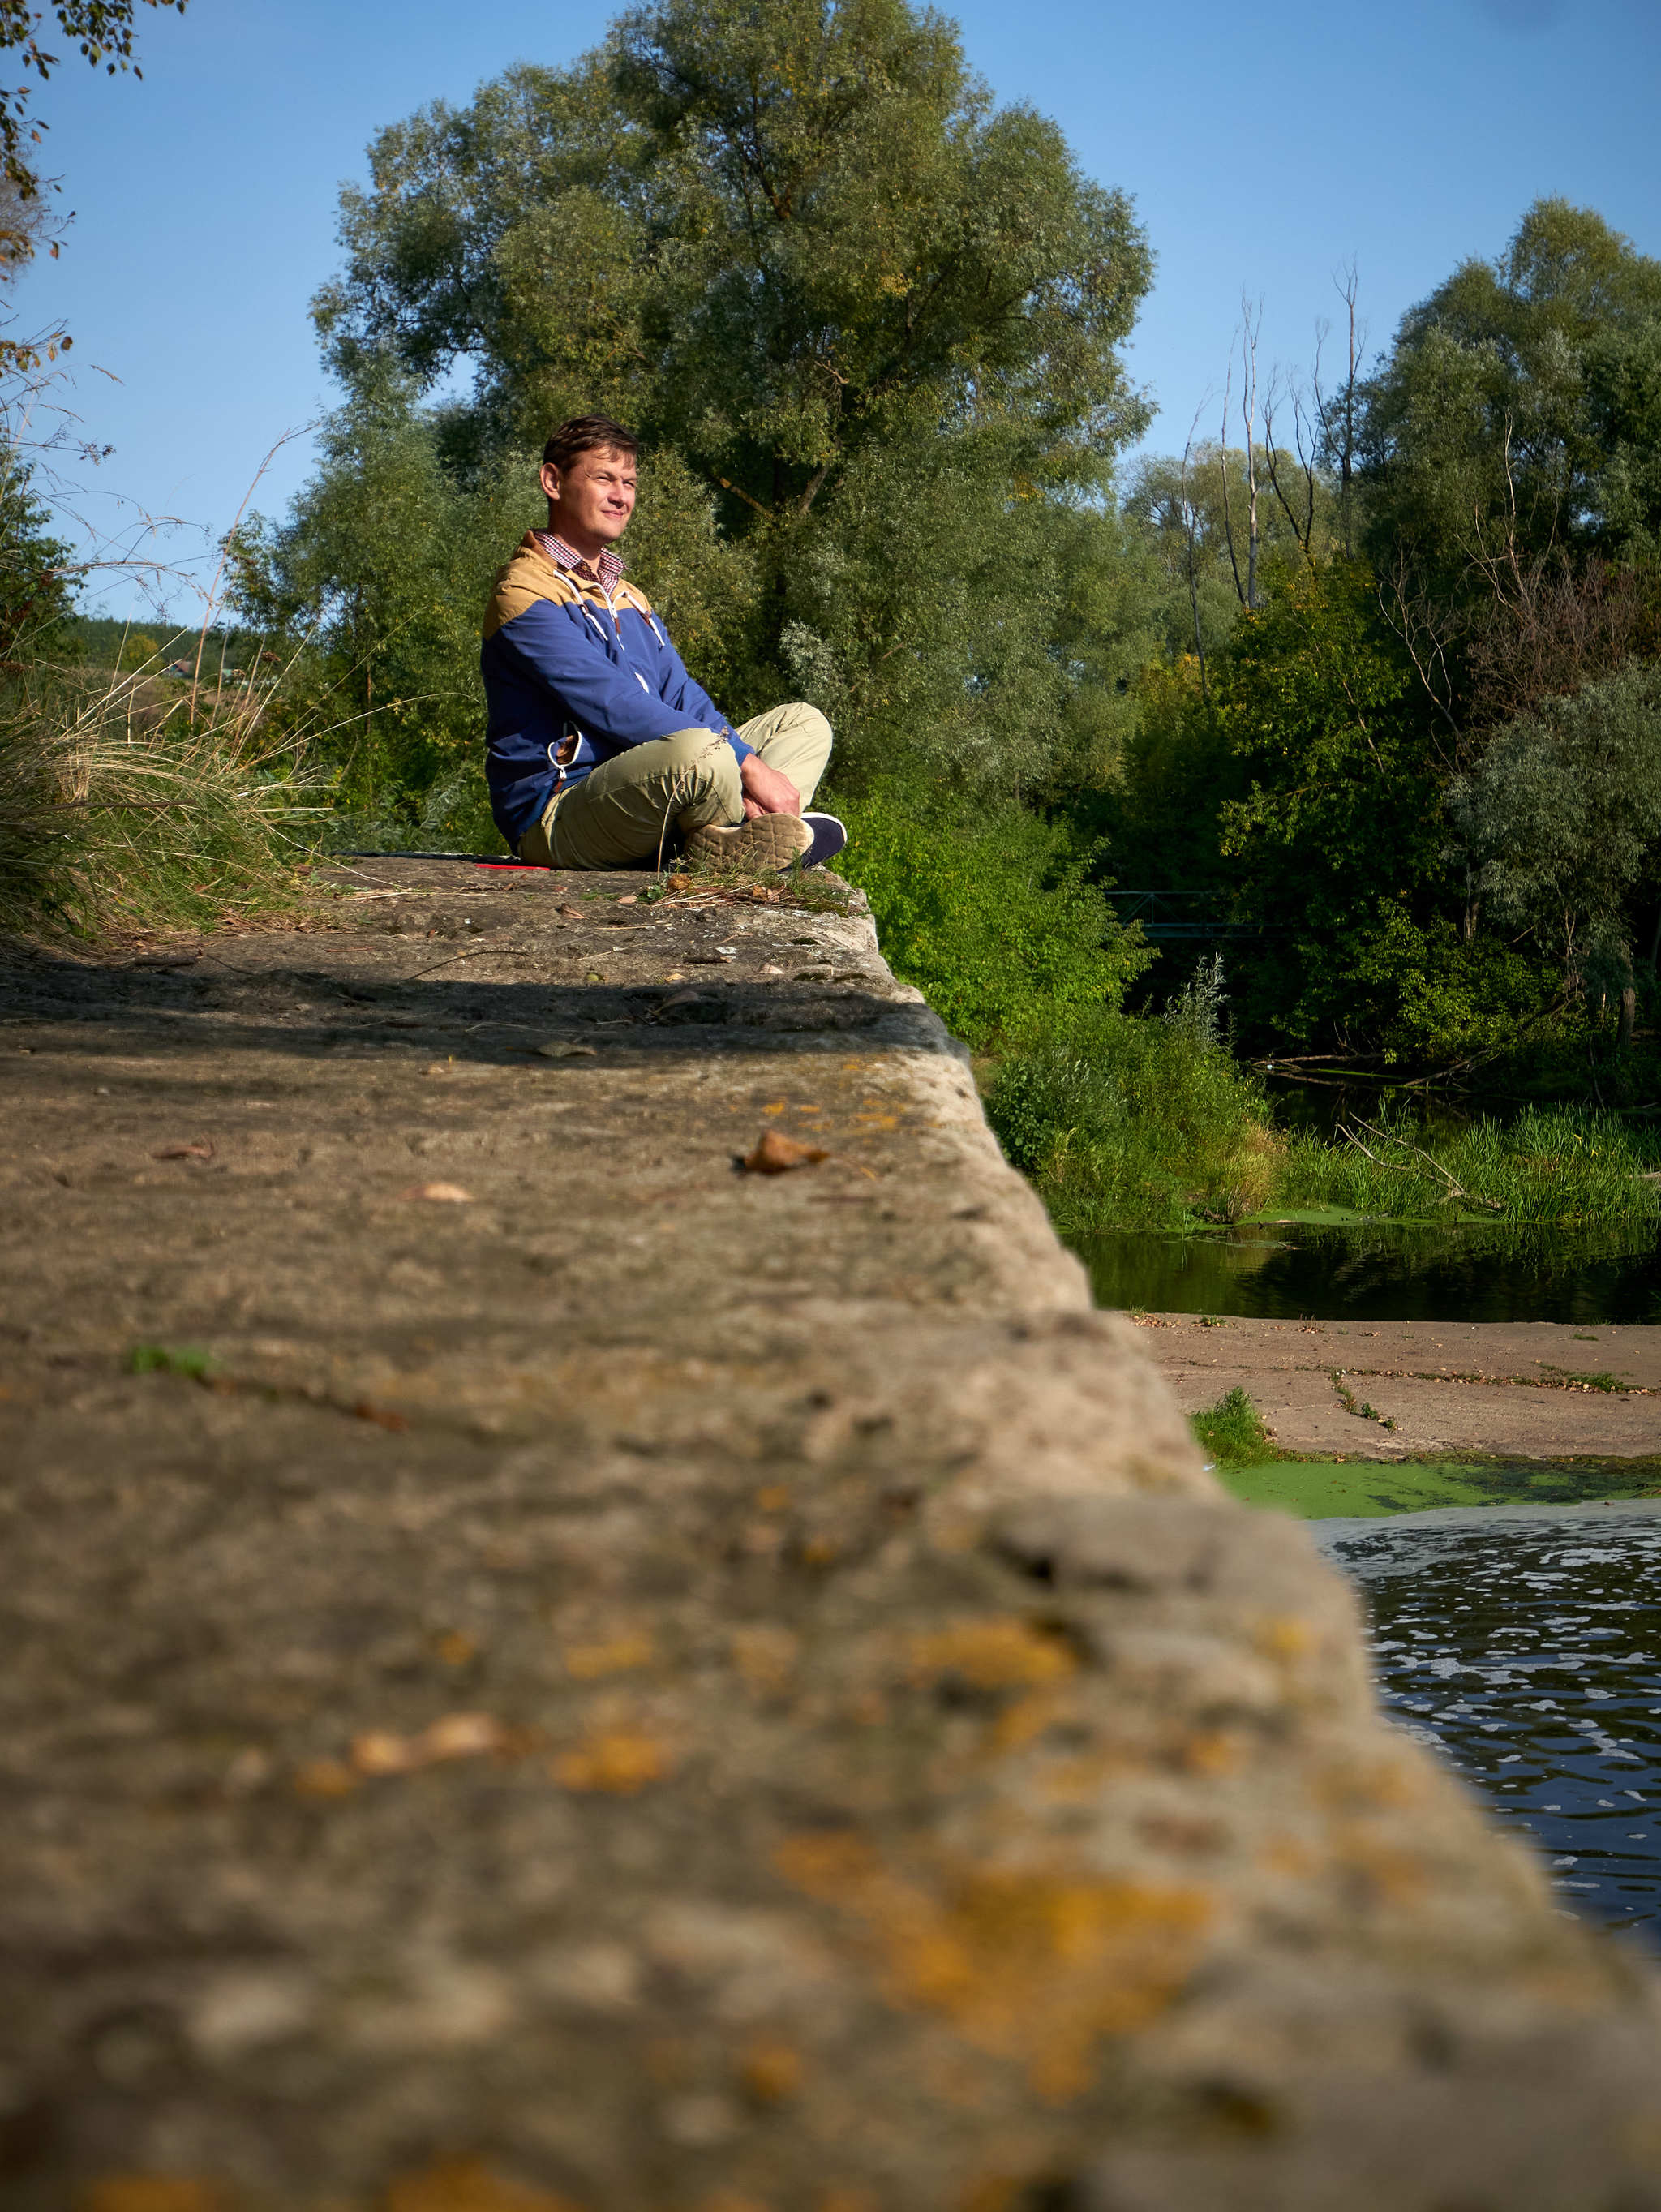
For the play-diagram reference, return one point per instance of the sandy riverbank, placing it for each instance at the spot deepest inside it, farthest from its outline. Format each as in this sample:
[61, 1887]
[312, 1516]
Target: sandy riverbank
[1526, 1389]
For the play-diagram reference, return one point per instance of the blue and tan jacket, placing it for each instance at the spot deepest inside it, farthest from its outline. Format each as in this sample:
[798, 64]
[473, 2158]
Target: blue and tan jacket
[574, 675]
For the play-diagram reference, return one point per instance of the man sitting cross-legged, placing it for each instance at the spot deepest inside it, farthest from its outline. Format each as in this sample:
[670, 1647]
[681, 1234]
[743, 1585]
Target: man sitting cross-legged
[603, 750]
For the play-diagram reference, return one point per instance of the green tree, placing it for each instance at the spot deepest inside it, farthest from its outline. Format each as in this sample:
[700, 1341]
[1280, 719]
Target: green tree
[1561, 822]
[103, 31]
[1510, 433]
[873, 318]
[36, 581]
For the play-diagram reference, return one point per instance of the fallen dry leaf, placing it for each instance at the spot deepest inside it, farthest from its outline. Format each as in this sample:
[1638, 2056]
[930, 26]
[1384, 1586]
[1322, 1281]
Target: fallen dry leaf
[675, 998]
[777, 1154]
[382, 1416]
[202, 1150]
[678, 883]
[628, 900]
[458, 1736]
[439, 1193]
[558, 1048]
[570, 913]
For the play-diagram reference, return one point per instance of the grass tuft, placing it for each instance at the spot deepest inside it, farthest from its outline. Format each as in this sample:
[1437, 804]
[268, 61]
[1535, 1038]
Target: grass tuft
[162, 1359]
[1231, 1432]
[127, 804]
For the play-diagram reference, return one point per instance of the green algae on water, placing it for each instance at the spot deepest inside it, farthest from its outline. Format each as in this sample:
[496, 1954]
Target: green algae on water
[1357, 1489]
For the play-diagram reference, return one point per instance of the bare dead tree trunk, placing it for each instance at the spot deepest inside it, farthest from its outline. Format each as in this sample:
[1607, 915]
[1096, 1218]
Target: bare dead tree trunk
[1222, 469]
[1337, 415]
[1190, 529]
[1629, 1017]
[1249, 331]
[1303, 524]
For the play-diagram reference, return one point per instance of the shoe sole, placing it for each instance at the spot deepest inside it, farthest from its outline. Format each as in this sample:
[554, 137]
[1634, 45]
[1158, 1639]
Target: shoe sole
[770, 843]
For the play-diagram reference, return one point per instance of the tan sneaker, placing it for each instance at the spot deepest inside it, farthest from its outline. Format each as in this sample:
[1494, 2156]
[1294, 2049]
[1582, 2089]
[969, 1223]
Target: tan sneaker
[770, 843]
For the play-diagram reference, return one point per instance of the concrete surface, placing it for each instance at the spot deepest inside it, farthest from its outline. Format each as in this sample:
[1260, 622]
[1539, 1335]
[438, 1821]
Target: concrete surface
[581, 1677]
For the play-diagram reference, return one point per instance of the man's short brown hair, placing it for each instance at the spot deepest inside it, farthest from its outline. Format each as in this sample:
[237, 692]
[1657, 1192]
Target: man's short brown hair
[588, 433]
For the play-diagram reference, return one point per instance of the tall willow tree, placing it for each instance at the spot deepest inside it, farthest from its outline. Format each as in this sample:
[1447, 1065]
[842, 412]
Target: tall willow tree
[868, 324]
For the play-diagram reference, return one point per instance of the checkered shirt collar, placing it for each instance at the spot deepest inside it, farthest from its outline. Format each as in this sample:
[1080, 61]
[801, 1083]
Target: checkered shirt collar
[605, 572]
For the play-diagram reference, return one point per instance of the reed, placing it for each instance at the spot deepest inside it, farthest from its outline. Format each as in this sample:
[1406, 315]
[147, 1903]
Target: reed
[1551, 1165]
[126, 803]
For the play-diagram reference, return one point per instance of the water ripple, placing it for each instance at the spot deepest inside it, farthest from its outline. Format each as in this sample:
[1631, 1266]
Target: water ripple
[1525, 1645]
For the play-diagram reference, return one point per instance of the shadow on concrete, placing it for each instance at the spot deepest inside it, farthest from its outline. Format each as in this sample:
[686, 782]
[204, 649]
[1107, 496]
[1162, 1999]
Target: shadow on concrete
[310, 1013]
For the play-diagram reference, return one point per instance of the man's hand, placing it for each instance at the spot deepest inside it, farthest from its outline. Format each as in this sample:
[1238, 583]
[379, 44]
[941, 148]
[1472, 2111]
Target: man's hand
[766, 791]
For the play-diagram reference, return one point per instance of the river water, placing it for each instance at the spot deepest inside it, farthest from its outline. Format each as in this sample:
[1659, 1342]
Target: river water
[1381, 1271]
[1524, 1644]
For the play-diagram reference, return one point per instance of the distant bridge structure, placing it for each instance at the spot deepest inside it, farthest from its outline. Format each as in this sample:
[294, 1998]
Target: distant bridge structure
[1184, 917]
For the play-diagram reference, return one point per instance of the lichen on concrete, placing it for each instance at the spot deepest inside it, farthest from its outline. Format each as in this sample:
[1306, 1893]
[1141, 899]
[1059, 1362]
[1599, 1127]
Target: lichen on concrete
[577, 1676]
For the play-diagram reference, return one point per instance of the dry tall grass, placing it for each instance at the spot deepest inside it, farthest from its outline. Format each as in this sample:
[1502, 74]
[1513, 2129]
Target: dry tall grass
[131, 802]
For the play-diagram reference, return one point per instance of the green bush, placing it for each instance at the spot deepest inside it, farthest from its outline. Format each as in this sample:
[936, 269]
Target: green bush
[1232, 1431]
[1127, 1123]
[989, 914]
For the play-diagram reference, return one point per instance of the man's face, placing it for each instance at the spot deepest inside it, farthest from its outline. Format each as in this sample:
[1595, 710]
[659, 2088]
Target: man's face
[594, 497]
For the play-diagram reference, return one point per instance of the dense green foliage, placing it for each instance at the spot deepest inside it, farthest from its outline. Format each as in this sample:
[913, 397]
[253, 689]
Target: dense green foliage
[989, 914]
[1137, 1124]
[1424, 782]
[37, 589]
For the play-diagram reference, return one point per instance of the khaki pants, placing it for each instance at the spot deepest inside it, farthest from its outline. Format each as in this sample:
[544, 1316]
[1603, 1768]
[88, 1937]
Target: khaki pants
[630, 806]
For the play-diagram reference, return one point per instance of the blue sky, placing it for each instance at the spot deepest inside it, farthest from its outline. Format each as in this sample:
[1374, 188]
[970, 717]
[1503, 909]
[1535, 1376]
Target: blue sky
[1263, 149]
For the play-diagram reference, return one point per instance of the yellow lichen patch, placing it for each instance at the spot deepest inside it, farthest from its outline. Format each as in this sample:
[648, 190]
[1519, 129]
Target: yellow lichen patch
[1213, 1751]
[456, 1649]
[1031, 1966]
[766, 1654]
[150, 2192]
[1027, 1720]
[997, 1652]
[325, 1778]
[617, 1655]
[771, 2071]
[772, 1497]
[618, 1762]
[467, 2185]
[1285, 1637]
[1287, 1856]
